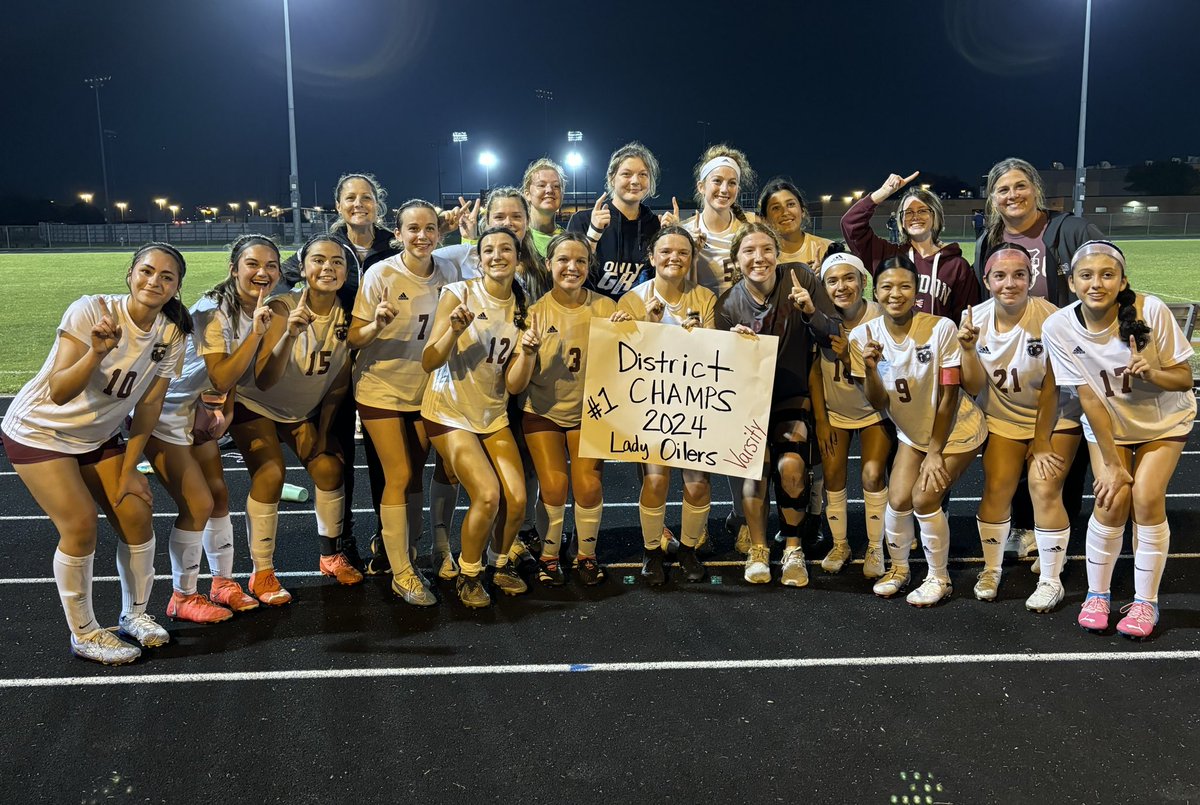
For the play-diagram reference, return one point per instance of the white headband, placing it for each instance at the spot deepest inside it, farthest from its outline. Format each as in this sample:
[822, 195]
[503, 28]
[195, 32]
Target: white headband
[843, 258]
[1098, 247]
[717, 162]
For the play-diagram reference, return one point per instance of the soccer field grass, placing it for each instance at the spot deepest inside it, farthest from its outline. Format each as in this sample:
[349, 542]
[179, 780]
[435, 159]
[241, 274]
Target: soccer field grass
[42, 285]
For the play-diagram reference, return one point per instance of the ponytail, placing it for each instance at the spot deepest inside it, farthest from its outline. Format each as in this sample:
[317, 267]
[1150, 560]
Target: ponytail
[519, 315]
[1130, 326]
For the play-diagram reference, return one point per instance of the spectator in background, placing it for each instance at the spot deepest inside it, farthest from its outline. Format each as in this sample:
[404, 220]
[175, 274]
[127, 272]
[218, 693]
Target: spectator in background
[977, 219]
[893, 229]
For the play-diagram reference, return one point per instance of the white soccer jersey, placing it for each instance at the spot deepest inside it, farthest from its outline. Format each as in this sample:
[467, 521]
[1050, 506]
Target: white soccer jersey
[1015, 365]
[387, 372]
[812, 252]
[910, 371]
[694, 297]
[318, 354]
[1140, 411]
[715, 269]
[115, 387]
[556, 389]
[463, 257]
[846, 402]
[467, 391]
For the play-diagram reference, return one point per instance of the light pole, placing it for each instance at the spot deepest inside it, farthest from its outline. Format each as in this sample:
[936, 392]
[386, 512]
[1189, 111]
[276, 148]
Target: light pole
[174, 208]
[96, 83]
[545, 96]
[703, 134]
[122, 206]
[459, 137]
[488, 160]
[294, 178]
[574, 160]
[162, 203]
[253, 205]
[1080, 170]
[233, 205]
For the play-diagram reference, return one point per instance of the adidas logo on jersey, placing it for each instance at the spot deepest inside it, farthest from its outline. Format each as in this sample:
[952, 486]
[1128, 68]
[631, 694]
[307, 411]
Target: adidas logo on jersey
[984, 350]
[551, 329]
[1078, 351]
[482, 316]
[403, 297]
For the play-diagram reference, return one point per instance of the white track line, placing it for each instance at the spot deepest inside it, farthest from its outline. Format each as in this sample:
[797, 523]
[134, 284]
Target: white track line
[602, 667]
[615, 505]
[712, 563]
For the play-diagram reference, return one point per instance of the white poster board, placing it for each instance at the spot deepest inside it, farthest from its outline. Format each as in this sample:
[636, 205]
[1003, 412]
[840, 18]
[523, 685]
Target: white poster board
[698, 400]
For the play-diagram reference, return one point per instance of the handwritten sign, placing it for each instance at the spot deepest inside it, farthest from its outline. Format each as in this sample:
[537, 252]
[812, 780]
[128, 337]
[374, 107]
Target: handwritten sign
[658, 394]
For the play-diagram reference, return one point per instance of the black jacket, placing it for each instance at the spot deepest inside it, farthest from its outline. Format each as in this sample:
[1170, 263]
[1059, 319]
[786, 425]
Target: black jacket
[621, 263]
[1065, 233]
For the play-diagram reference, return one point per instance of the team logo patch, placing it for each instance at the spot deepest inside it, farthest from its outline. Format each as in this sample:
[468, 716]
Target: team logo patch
[1078, 351]
[551, 329]
[924, 353]
[1034, 347]
[159, 352]
[341, 332]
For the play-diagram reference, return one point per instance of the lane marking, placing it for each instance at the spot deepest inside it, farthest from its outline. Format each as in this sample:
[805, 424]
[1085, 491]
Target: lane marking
[713, 563]
[602, 667]
[627, 505]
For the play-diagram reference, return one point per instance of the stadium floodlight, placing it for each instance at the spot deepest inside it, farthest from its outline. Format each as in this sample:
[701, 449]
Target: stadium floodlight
[174, 208]
[459, 137]
[488, 160]
[574, 160]
[574, 136]
[253, 205]
[122, 206]
[826, 199]
[86, 198]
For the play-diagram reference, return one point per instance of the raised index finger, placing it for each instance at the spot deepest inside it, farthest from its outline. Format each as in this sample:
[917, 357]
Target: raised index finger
[1133, 347]
[600, 201]
[104, 306]
[304, 297]
[912, 176]
[795, 280]
[675, 206]
[262, 296]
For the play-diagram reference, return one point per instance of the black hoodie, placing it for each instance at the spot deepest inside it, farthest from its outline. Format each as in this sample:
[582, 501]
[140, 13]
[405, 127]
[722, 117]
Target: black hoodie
[621, 262]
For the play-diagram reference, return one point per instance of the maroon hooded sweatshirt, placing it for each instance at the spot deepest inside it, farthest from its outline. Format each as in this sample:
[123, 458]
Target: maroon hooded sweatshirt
[947, 284]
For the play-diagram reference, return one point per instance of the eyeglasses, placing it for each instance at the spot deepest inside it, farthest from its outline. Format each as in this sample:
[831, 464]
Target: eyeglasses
[915, 214]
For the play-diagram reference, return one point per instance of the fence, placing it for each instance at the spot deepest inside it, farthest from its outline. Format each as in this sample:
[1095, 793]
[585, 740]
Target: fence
[1137, 224]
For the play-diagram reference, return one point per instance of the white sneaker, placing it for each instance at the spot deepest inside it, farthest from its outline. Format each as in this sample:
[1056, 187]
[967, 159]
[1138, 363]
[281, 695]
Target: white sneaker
[892, 582]
[988, 584]
[444, 564]
[143, 629]
[930, 592]
[104, 647]
[1046, 596]
[837, 557]
[758, 565]
[1021, 542]
[409, 586]
[795, 572]
[873, 563]
[741, 542]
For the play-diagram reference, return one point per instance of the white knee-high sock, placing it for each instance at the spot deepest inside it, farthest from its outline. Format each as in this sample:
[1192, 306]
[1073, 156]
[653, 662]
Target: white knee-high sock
[329, 506]
[1052, 552]
[898, 528]
[694, 519]
[415, 505]
[393, 527]
[262, 521]
[185, 548]
[1103, 548]
[876, 504]
[992, 537]
[935, 539]
[1150, 559]
[73, 577]
[652, 525]
[587, 528]
[553, 535]
[218, 545]
[835, 515]
[135, 566]
[442, 500]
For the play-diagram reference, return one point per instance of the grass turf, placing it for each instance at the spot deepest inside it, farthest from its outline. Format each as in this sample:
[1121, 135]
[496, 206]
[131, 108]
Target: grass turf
[40, 286]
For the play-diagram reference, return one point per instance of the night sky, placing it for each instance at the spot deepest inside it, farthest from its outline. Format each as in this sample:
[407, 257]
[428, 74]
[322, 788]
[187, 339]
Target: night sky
[835, 94]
